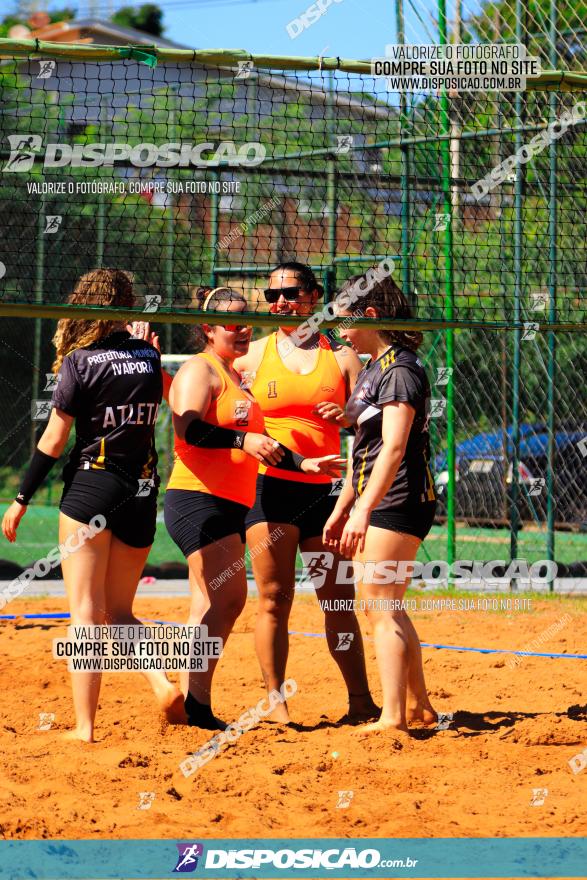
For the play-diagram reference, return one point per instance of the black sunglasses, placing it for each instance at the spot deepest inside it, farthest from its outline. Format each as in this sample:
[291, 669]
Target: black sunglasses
[272, 294]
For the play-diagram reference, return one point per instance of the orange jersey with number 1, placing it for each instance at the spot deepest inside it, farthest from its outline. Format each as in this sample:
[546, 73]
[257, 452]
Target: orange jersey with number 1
[226, 473]
[287, 400]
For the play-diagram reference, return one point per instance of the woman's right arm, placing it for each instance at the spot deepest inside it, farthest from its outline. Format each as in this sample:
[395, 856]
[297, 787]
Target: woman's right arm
[336, 521]
[346, 499]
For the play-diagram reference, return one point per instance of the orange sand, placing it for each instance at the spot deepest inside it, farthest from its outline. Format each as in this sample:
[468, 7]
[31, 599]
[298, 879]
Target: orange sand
[514, 732]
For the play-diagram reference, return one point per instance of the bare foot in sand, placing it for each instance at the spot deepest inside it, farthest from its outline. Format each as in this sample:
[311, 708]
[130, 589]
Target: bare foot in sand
[280, 715]
[419, 714]
[171, 704]
[79, 735]
[380, 727]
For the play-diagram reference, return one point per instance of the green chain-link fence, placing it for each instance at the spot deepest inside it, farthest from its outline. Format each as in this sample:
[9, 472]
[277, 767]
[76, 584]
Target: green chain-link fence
[338, 173]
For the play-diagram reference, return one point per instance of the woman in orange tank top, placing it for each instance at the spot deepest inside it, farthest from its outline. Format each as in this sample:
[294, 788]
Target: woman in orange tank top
[302, 388]
[219, 441]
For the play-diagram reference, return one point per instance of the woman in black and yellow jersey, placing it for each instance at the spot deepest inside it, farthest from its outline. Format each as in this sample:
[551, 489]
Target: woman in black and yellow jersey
[109, 385]
[219, 442]
[302, 388]
[388, 502]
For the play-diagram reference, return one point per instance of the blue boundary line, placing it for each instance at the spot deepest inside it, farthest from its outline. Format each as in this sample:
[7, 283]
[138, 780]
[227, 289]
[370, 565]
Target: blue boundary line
[59, 616]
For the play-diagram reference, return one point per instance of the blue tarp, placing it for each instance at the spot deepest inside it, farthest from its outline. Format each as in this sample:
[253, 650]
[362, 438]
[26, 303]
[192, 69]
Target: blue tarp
[533, 444]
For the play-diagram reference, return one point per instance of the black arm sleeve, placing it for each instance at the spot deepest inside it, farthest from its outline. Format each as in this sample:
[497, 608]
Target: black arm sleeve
[207, 436]
[291, 461]
[39, 466]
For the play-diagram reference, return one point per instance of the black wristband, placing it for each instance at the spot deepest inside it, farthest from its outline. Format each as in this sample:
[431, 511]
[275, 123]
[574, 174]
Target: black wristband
[39, 466]
[291, 461]
[208, 436]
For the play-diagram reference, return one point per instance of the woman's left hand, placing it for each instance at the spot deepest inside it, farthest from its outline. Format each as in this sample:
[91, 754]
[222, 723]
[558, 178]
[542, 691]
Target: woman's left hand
[328, 464]
[331, 412]
[11, 520]
[354, 532]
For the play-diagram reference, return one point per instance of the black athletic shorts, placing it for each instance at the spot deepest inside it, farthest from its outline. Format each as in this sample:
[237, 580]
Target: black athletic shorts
[195, 519]
[305, 505]
[410, 520]
[131, 517]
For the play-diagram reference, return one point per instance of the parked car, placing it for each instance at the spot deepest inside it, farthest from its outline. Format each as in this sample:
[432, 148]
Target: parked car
[484, 477]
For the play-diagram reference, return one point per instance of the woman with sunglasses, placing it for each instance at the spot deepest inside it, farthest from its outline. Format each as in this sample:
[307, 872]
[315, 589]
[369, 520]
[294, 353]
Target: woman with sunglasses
[387, 505]
[219, 441]
[302, 388]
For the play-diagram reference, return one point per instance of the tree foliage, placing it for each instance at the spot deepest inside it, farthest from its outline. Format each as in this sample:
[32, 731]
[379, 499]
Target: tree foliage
[147, 18]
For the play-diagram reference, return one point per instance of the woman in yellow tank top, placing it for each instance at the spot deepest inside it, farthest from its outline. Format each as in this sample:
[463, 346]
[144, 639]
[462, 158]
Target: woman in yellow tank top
[302, 388]
[219, 441]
